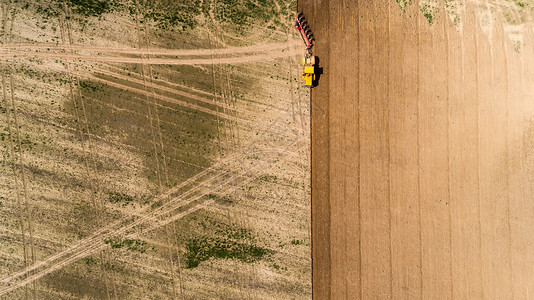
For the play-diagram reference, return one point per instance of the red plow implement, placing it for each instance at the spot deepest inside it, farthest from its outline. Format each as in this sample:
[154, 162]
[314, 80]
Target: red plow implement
[304, 30]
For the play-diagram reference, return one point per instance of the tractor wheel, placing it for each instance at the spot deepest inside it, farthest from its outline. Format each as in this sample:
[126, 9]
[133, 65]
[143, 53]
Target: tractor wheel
[304, 61]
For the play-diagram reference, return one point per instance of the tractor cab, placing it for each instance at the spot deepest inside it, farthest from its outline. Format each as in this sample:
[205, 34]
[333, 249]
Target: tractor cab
[308, 76]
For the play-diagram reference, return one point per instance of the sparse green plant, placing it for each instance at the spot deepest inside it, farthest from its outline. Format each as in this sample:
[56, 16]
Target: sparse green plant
[170, 14]
[117, 197]
[517, 46]
[429, 12]
[228, 242]
[278, 267]
[126, 243]
[296, 242]
[403, 4]
[452, 7]
[242, 12]
[88, 85]
[225, 200]
[89, 261]
[156, 204]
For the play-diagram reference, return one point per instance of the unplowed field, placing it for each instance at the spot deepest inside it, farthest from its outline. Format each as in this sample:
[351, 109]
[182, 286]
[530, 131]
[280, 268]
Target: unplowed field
[152, 150]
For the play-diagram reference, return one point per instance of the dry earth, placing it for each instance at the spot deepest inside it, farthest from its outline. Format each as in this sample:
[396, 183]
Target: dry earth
[145, 159]
[422, 143]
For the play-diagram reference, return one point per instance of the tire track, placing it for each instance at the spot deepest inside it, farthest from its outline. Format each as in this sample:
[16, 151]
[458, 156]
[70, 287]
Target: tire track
[215, 96]
[215, 73]
[222, 165]
[102, 232]
[24, 182]
[31, 256]
[233, 104]
[152, 135]
[162, 83]
[17, 186]
[143, 52]
[96, 185]
[228, 125]
[294, 70]
[83, 112]
[97, 243]
[103, 139]
[164, 163]
[153, 61]
[231, 125]
[12, 154]
[165, 98]
[153, 86]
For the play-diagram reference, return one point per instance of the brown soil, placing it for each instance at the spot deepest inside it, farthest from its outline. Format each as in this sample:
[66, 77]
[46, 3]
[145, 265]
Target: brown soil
[421, 155]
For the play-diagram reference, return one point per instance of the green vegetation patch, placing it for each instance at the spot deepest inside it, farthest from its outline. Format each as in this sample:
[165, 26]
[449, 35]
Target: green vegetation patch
[117, 197]
[429, 12]
[91, 7]
[521, 4]
[170, 14]
[126, 243]
[228, 242]
[167, 14]
[85, 8]
[241, 12]
[179, 15]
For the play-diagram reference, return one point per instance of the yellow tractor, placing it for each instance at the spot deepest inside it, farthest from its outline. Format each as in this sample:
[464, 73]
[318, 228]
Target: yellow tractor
[308, 76]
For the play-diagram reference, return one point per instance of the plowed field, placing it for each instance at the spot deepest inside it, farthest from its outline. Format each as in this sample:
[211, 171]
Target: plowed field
[422, 158]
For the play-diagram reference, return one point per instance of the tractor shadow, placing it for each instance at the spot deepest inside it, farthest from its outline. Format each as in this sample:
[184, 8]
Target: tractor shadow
[318, 70]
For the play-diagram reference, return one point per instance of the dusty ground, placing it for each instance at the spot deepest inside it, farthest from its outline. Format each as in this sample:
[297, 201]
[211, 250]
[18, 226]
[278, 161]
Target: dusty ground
[422, 141]
[138, 163]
